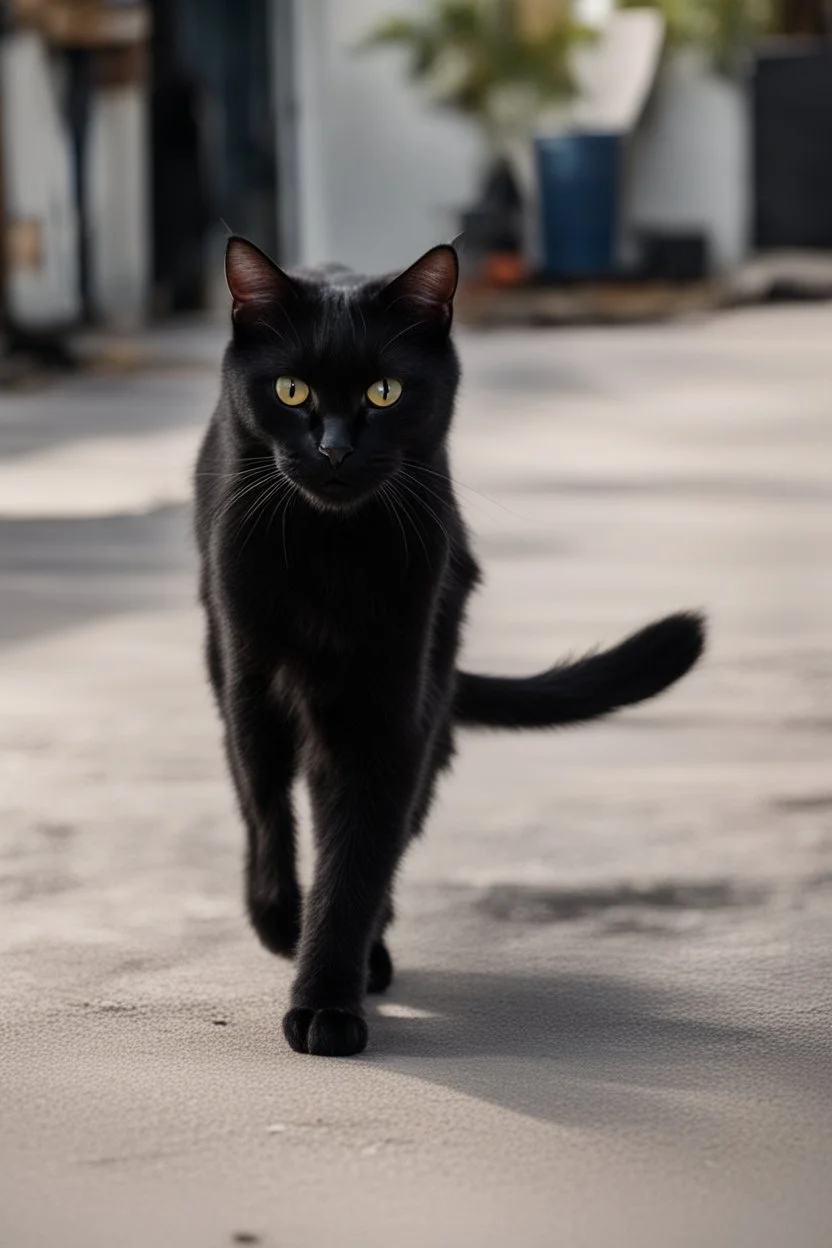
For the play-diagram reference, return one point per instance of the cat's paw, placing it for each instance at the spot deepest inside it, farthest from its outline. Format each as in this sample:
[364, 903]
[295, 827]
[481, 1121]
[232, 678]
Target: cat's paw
[325, 1033]
[277, 923]
[381, 968]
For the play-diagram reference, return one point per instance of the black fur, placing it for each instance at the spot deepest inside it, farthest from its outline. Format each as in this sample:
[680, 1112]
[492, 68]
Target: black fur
[335, 595]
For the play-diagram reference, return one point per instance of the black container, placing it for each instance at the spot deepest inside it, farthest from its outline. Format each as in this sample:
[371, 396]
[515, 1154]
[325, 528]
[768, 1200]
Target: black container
[793, 145]
[674, 257]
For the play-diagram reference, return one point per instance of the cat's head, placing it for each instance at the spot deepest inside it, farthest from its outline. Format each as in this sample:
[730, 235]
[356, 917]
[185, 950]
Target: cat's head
[345, 380]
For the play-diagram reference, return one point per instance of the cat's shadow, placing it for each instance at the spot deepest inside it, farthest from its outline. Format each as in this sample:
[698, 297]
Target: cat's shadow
[587, 1052]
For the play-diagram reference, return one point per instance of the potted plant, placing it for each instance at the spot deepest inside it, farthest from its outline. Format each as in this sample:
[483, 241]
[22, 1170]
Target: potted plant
[502, 64]
[724, 30]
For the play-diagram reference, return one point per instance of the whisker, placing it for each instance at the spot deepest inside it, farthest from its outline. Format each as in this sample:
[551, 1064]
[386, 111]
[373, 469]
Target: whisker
[401, 332]
[408, 516]
[290, 500]
[278, 495]
[356, 307]
[274, 488]
[406, 296]
[227, 504]
[277, 333]
[235, 476]
[240, 472]
[390, 507]
[419, 486]
[417, 496]
[251, 513]
[444, 500]
[263, 479]
[411, 463]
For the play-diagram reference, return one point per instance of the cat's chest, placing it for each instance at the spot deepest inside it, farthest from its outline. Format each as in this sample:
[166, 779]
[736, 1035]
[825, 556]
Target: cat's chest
[342, 589]
[318, 594]
[344, 603]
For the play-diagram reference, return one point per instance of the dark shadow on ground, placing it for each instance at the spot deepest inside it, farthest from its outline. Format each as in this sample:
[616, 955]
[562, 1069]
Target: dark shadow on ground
[599, 1052]
[85, 405]
[61, 572]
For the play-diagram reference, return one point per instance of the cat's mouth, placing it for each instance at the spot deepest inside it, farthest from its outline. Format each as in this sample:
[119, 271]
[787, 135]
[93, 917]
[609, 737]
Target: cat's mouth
[336, 488]
[336, 492]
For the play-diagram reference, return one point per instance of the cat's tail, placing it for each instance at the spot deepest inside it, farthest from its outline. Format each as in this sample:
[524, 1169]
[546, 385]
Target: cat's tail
[638, 668]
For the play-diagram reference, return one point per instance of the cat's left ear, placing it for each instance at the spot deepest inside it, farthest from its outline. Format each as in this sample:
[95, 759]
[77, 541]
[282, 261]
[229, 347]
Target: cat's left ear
[429, 284]
[254, 280]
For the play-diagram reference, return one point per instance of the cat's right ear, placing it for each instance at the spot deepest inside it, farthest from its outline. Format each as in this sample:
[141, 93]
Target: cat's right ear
[429, 284]
[254, 280]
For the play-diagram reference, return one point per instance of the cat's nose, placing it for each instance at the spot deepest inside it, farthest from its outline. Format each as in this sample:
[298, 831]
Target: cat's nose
[335, 442]
[335, 454]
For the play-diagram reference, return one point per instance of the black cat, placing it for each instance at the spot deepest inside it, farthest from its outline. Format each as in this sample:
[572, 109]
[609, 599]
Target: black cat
[336, 569]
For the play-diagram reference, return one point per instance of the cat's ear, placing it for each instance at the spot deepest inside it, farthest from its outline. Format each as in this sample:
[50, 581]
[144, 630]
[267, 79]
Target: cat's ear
[253, 279]
[429, 284]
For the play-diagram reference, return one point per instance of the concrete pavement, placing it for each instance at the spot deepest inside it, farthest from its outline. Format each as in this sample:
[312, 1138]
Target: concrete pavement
[612, 1022]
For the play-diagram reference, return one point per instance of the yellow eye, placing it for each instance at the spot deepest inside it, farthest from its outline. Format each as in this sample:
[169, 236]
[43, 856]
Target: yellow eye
[385, 393]
[291, 391]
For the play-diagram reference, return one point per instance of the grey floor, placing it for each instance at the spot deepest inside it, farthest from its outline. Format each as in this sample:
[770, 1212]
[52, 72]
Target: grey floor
[612, 1022]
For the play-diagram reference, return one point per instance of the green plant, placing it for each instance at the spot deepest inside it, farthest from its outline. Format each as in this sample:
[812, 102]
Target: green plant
[481, 58]
[724, 28]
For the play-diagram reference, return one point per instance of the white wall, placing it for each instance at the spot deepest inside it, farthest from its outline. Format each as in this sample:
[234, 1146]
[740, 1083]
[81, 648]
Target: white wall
[689, 166]
[38, 183]
[382, 175]
[119, 205]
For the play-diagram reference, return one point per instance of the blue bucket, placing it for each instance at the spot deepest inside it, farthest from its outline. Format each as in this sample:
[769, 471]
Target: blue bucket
[579, 178]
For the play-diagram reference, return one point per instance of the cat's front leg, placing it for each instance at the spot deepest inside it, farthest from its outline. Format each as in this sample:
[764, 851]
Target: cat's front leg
[261, 747]
[362, 794]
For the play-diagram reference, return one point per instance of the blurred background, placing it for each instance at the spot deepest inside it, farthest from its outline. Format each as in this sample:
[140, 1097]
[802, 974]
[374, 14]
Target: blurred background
[561, 140]
[611, 1023]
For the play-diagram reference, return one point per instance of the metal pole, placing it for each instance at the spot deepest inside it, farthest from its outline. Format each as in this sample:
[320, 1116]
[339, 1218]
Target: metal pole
[79, 98]
[286, 110]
